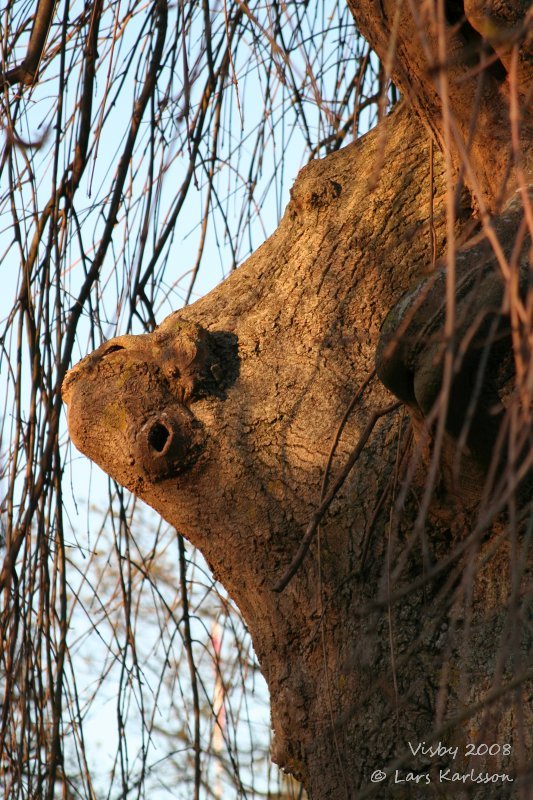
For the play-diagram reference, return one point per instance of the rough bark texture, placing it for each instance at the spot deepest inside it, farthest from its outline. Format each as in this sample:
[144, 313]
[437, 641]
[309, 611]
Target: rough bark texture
[223, 420]
[437, 52]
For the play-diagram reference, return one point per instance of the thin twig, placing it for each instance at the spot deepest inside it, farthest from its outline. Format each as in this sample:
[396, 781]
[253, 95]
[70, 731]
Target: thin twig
[323, 507]
[192, 667]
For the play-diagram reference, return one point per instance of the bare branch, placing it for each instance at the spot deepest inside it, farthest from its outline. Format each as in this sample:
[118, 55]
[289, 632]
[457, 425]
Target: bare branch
[27, 72]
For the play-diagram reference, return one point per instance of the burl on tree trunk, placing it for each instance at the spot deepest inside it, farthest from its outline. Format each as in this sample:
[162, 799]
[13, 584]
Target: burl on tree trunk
[405, 622]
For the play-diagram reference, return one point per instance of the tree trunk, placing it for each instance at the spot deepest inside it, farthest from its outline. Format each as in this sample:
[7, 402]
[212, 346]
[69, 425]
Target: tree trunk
[405, 622]
[466, 69]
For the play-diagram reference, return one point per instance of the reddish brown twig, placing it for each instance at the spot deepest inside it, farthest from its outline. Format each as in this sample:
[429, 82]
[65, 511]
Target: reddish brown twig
[326, 502]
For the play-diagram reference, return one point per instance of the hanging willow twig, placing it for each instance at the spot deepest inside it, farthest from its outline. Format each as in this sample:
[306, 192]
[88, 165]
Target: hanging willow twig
[328, 499]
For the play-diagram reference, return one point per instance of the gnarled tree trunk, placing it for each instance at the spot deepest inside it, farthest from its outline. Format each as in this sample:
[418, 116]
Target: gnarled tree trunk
[405, 622]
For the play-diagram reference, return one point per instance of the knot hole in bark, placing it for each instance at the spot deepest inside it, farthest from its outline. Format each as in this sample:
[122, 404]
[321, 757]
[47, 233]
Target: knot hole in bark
[168, 443]
[159, 437]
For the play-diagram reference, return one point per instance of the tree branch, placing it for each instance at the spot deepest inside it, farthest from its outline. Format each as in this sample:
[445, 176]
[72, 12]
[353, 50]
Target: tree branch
[26, 72]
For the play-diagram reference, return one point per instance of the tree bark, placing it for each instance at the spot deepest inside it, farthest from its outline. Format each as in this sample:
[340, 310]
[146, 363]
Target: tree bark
[399, 627]
[466, 69]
